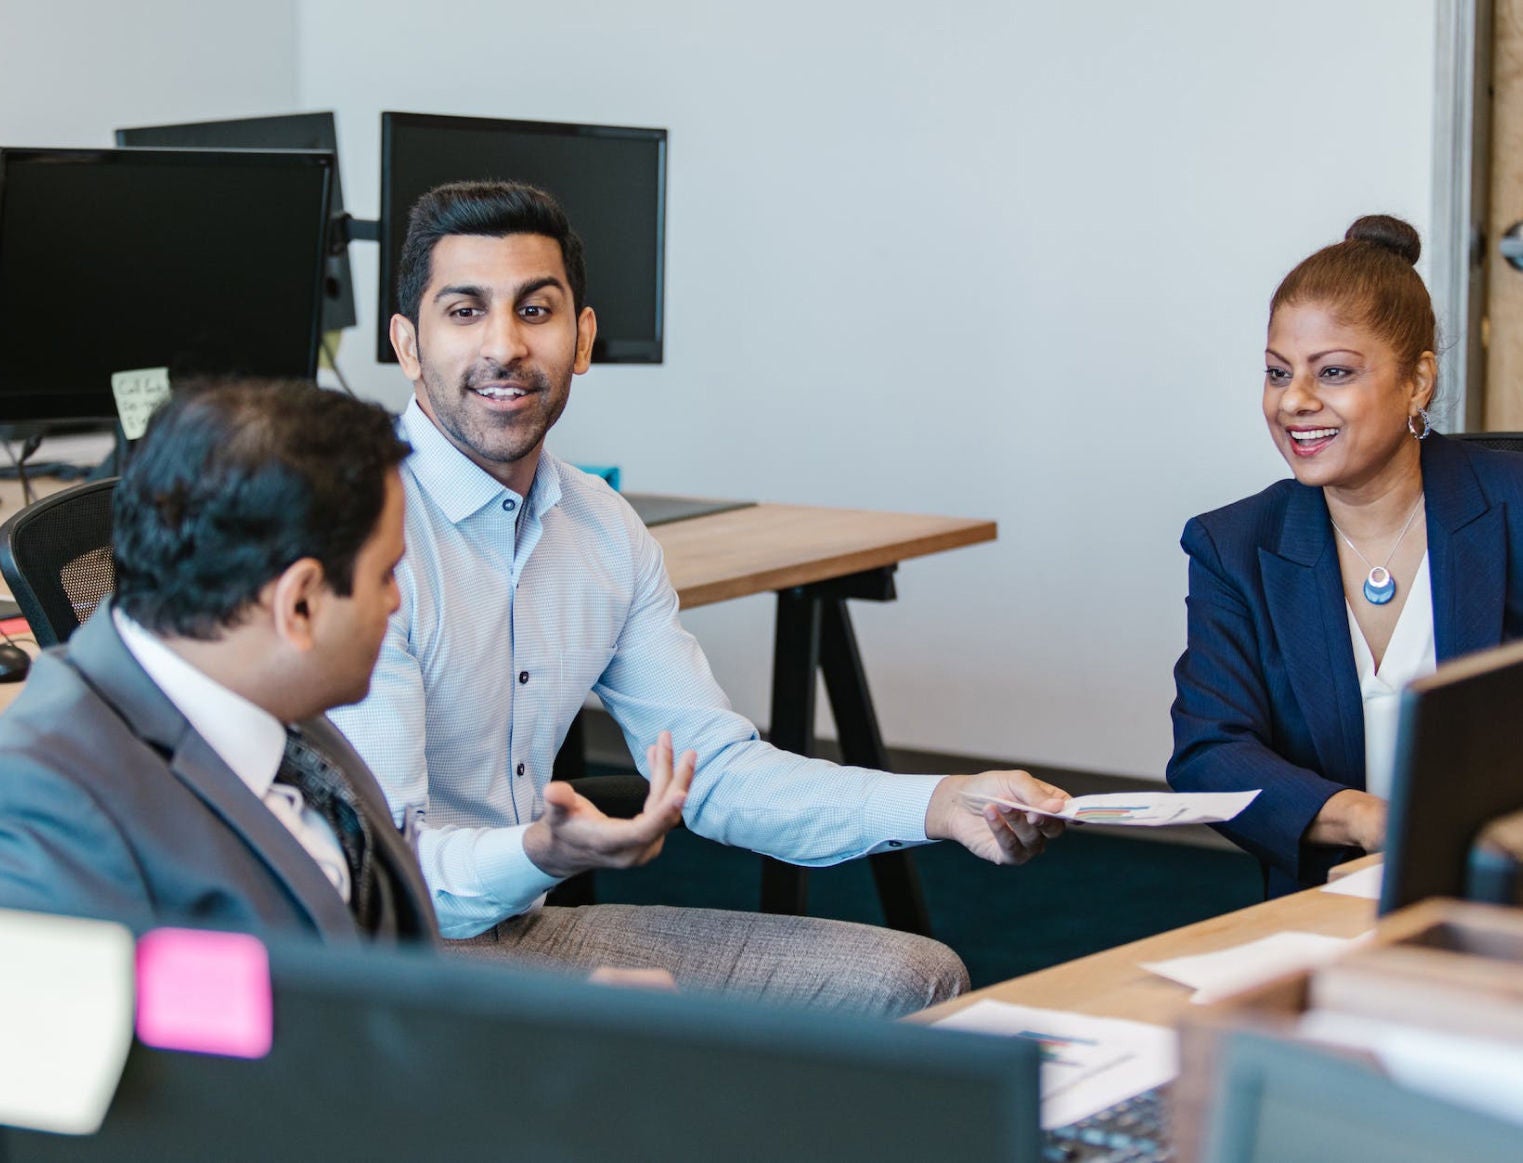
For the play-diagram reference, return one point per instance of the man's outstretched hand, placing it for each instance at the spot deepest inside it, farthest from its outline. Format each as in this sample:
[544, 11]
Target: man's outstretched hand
[958, 811]
[574, 836]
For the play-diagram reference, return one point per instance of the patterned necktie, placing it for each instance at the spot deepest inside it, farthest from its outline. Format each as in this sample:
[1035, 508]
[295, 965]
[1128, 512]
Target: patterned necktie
[311, 771]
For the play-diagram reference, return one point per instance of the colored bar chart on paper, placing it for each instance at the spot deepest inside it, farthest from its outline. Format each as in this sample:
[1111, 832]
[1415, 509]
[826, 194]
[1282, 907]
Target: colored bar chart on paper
[1138, 809]
[1088, 1063]
[1058, 1049]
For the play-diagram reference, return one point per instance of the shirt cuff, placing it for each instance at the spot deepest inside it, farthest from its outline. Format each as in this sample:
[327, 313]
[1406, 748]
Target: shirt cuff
[896, 810]
[507, 873]
[479, 877]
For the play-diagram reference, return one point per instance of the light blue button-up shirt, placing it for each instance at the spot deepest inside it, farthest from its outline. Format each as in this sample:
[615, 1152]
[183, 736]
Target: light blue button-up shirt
[513, 609]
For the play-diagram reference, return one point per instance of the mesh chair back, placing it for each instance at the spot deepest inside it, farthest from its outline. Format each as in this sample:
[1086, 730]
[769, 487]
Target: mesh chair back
[1506, 441]
[56, 558]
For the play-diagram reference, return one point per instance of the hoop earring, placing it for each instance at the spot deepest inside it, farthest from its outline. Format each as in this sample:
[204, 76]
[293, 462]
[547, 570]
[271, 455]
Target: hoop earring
[1427, 424]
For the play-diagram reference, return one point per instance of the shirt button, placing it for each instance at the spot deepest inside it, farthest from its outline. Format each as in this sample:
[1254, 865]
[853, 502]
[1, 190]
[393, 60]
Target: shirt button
[509, 504]
[523, 677]
[520, 769]
[896, 844]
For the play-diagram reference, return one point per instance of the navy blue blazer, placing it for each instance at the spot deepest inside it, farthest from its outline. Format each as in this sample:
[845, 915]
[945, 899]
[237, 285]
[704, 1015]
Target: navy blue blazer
[1267, 691]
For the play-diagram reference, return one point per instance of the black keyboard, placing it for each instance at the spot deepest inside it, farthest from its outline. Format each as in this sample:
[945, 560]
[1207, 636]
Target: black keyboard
[1129, 1132]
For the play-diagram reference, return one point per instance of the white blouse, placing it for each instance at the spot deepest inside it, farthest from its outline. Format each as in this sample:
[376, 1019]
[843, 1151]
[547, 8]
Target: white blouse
[1410, 655]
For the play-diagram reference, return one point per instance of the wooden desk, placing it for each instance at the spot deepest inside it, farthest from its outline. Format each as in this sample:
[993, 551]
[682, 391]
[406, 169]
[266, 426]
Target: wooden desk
[1112, 984]
[815, 559]
[775, 547]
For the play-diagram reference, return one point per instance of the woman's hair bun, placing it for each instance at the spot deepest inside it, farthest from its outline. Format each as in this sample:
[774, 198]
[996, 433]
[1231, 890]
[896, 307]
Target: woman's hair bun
[1388, 233]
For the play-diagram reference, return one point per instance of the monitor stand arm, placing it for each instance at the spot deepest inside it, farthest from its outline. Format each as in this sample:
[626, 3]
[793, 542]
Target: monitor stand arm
[29, 446]
[345, 228]
[116, 459]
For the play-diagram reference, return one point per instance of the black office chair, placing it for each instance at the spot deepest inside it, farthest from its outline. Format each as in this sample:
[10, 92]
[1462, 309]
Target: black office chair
[622, 796]
[1506, 441]
[56, 558]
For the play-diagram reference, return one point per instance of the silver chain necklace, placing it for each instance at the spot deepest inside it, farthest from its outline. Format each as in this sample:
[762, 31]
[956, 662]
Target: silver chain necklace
[1379, 585]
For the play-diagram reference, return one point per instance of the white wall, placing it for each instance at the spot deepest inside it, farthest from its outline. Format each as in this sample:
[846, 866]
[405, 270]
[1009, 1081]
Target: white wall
[981, 257]
[986, 257]
[72, 73]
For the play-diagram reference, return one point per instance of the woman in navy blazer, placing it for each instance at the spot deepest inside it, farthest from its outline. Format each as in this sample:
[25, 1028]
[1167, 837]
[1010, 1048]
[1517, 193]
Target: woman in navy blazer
[1268, 688]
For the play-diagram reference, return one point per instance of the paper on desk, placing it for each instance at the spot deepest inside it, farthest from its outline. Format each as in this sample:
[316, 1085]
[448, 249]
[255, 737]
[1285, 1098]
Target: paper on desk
[1214, 976]
[66, 1013]
[1476, 1073]
[1088, 1063]
[1149, 809]
[1365, 883]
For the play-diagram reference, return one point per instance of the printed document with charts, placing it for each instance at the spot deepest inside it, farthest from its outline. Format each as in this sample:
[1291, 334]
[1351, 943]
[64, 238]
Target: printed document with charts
[1148, 809]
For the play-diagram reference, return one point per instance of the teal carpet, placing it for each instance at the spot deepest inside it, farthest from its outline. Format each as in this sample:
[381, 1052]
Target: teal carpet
[1086, 893]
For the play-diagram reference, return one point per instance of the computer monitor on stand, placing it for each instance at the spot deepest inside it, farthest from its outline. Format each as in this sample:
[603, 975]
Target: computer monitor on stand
[611, 181]
[1459, 767]
[197, 262]
[306, 131]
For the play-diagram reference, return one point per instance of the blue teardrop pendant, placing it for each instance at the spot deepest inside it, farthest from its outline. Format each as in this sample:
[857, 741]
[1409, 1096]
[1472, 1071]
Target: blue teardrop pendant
[1379, 587]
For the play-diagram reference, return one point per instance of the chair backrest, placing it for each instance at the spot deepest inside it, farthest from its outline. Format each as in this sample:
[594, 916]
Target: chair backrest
[1506, 441]
[56, 558]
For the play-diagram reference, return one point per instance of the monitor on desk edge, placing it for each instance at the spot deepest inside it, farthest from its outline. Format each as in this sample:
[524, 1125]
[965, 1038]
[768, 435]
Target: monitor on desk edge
[1459, 766]
[387, 1054]
[1278, 1099]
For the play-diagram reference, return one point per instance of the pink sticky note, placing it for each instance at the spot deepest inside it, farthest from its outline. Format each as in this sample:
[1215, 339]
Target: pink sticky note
[204, 992]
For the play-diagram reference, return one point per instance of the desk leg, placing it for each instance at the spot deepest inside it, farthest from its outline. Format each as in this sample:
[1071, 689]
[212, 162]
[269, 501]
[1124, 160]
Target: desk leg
[795, 660]
[862, 746]
[814, 634]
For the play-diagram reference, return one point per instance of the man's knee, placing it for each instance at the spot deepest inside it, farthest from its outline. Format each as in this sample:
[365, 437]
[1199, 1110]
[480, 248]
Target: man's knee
[926, 972]
[900, 973]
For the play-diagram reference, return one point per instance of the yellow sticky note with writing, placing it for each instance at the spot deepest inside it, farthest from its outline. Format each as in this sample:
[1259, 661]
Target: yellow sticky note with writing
[138, 393]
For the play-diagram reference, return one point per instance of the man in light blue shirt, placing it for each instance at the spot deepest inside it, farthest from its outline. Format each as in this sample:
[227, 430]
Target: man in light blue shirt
[527, 584]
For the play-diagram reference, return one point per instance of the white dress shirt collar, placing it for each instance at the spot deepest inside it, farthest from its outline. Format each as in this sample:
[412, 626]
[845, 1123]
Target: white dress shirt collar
[247, 738]
[460, 486]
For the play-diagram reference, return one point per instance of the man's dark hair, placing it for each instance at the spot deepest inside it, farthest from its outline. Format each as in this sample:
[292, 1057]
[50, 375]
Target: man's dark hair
[489, 209]
[235, 481]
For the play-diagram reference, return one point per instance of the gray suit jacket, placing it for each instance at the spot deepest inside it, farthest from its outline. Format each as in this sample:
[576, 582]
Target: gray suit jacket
[111, 805]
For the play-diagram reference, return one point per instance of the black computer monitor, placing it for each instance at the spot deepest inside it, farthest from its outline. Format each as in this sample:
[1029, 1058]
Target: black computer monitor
[201, 262]
[611, 181]
[382, 1055]
[1459, 766]
[291, 131]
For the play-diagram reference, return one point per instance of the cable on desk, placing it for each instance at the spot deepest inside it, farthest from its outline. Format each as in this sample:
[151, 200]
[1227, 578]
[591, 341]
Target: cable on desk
[28, 447]
[332, 355]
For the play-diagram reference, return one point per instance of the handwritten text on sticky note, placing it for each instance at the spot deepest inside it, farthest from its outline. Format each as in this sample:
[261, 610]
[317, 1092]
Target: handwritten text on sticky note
[137, 394]
[204, 992]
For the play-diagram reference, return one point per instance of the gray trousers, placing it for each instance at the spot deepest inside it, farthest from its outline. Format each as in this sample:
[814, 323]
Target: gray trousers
[787, 960]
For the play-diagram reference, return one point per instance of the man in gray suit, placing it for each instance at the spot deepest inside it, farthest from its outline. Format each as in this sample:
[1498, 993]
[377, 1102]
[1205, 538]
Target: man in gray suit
[173, 763]
[256, 532]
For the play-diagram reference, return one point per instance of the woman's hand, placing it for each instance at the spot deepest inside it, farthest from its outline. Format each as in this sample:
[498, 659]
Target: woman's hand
[1351, 817]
